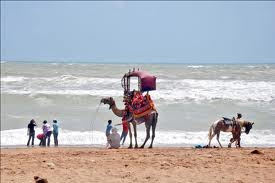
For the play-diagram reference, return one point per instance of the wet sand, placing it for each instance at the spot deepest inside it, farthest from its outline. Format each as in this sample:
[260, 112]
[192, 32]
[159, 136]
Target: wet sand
[77, 164]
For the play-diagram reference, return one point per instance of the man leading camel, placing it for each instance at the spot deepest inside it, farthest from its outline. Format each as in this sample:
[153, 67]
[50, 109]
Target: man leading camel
[239, 116]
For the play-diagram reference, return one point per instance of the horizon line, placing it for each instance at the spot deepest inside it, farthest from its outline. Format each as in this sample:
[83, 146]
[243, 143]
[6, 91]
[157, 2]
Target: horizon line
[143, 62]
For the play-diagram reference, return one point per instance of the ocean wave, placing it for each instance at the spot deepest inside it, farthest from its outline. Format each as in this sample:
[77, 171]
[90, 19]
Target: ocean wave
[12, 79]
[225, 77]
[167, 89]
[197, 66]
[170, 138]
[198, 90]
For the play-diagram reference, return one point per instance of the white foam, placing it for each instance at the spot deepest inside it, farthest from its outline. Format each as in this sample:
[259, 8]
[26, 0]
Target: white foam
[196, 66]
[225, 77]
[163, 138]
[12, 79]
[198, 90]
[167, 89]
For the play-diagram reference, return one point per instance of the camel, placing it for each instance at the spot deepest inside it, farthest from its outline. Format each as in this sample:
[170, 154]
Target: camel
[150, 121]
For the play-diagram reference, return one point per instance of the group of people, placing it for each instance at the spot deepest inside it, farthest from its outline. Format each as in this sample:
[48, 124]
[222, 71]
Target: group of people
[46, 135]
[114, 138]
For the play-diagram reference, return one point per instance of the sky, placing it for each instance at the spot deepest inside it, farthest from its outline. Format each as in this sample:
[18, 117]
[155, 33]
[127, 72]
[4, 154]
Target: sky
[138, 32]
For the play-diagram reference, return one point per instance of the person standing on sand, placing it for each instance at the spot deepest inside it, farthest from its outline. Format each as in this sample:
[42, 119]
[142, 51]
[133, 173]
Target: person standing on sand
[124, 130]
[108, 130]
[234, 120]
[114, 139]
[31, 131]
[47, 133]
[55, 132]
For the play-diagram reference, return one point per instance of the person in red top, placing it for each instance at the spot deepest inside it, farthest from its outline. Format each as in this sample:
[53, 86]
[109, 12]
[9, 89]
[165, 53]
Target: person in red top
[40, 137]
[124, 130]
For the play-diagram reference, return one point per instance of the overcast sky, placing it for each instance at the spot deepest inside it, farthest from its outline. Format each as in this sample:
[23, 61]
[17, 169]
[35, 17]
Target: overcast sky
[147, 32]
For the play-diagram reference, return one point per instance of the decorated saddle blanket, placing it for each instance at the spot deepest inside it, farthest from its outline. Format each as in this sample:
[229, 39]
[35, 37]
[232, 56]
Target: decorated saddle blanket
[141, 105]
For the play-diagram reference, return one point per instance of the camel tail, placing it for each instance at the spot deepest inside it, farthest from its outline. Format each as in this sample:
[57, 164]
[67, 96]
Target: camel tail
[210, 132]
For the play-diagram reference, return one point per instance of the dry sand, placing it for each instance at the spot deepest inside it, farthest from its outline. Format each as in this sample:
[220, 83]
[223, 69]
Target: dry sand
[138, 165]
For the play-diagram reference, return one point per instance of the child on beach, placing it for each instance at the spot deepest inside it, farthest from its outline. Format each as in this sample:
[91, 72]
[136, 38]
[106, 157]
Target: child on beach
[124, 130]
[31, 131]
[108, 130]
[55, 132]
[40, 137]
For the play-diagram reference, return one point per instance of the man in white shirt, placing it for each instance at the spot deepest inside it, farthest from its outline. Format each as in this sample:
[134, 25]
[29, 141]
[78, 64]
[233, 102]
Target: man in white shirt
[114, 139]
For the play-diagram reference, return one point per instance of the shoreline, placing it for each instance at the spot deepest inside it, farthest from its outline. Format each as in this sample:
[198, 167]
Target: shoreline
[164, 146]
[164, 138]
[81, 164]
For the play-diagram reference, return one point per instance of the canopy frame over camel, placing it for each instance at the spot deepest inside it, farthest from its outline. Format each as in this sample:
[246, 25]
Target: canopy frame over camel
[146, 83]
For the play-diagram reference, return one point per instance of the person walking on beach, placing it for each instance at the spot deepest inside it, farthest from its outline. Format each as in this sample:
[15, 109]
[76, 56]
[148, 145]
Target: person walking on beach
[108, 130]
[47, 133]
[124, 130]
[234, 120]
[55, 132]
[31, 131]
[114, 139]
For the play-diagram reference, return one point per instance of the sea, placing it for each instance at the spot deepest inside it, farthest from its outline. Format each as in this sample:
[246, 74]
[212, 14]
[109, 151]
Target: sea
[189, 98]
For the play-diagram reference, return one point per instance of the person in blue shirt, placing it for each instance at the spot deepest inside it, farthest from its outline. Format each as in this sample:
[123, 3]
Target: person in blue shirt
[108, 130]
[55, 132]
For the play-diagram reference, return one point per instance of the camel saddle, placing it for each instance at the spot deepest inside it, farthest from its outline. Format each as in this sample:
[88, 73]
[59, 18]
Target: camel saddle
[227, 121]
[143, 108]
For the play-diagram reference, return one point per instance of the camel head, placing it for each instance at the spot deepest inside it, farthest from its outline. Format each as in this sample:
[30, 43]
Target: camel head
[108, 100]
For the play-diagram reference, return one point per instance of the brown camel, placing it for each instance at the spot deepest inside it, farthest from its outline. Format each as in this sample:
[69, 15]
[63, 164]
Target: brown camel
[150, 121]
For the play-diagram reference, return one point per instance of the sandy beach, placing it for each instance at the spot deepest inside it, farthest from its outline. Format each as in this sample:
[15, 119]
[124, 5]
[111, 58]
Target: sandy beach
[75, 164]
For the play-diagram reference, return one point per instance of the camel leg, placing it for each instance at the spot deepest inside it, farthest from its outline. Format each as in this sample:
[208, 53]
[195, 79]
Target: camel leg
[148, 128]
[218, 138]
[130, 134]
[154, 125]
[135, 134]
[210, 138]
